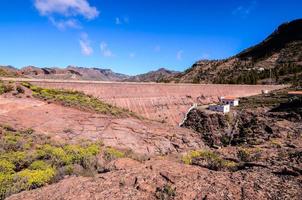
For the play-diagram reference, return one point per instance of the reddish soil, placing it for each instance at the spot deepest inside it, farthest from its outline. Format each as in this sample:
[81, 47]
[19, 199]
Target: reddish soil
[165, 179]
[162, 102]
[68, 124]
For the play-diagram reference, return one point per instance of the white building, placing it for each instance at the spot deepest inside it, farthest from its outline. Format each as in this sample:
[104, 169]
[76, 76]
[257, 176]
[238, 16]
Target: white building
[232, 101]
[220, 108]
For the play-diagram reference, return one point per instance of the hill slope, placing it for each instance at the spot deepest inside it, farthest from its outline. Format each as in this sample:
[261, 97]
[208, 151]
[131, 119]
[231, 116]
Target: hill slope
[159, 75]
[72, 72]
[279, 56]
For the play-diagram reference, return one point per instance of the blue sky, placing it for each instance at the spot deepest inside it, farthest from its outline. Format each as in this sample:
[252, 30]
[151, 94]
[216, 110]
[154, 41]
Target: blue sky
[134, 36]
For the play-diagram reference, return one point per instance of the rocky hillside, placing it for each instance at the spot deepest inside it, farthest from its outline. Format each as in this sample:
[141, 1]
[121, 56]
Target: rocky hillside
[253, 153]
[83, 73]
[278, 59]
[9, 71]
[72, 72]
[256, 121]
[159, 75]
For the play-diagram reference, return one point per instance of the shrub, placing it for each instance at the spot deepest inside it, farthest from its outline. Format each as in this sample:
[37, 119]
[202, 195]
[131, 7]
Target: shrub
[78, 100]
[20, 89]
[211, 160]
[112, 153]
[39, 165]
[56, 155]
[249, 154]
[6, 181]
[29, 161]
[28, 131]
[5, 88]
[20, 159]
[36, 178]
[276, 143]
[82, 155]
[6, 167]
[11, 142]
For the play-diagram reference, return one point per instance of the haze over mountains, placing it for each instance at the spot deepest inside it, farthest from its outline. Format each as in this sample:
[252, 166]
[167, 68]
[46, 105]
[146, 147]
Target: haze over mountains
[278, 59]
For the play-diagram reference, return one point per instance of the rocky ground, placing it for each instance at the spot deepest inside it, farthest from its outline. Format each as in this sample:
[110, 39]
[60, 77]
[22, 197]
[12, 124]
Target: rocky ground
[164, 179]
[252, 153]
[160, 102]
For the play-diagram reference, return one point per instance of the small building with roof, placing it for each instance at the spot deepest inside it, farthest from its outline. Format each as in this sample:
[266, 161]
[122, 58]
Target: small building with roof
[220, 108]
[232, 101]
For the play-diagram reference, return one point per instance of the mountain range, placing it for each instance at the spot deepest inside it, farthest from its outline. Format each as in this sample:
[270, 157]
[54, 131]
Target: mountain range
[277, 59]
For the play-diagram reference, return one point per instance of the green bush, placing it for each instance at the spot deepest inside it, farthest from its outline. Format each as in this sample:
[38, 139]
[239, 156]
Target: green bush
[249, 154]
[78, 100]
[212, 160]
[5, 88]
[29, 161]
[6, 181]
[56, 155]
[112, 153]
[11, 142]
[36, 178]
[6, 167]
[20, 159]
[39, 165]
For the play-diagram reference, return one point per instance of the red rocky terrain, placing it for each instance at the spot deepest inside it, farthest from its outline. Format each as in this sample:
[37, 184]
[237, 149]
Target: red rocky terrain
[161, 102]
[143, 137]
[253, 153]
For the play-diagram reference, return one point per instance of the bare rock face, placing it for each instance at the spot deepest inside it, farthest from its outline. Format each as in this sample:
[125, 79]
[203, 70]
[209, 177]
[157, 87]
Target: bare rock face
[164, 179]
[241, 126]
[257, 120]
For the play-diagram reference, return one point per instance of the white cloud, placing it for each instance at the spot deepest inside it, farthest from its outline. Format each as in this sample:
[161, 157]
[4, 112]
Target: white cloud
[244, 11]
[85, 45]
[179, 55]
[105, 51]
[157, 48]
[117, 21]
[67, 8]
[132, 55]
[64, 24]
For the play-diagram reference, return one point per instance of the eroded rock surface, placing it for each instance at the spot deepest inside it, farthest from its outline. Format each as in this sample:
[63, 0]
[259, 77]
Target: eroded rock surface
[68, 124]
[164, 179]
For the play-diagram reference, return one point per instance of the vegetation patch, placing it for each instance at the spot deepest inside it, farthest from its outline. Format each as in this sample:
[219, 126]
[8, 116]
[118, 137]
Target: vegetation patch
[8, 73]
[249, 154]
[77, 100]
[5, 87]
[265, 100]
[208, 159]
[29, 161]
[112, 153]
[166, 192]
